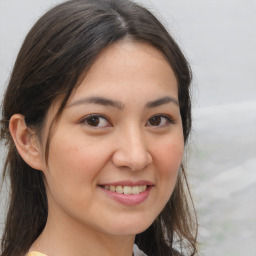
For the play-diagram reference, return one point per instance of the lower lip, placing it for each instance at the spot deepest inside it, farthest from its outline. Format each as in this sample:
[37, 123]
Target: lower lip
[128, 199]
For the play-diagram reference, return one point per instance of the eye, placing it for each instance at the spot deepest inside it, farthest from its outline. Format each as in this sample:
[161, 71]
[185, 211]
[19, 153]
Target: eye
[95, 120]
[159, 121]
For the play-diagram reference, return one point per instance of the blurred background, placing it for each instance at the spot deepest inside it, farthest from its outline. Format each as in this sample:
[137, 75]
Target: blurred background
[219, 39]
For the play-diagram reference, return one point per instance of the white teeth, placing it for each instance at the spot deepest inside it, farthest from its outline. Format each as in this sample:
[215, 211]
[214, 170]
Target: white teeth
[135, 190]
[119, 190]
[143, 188]
[127, 190]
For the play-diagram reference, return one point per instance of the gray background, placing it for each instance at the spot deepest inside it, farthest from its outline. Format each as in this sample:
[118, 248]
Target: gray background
[219, 38]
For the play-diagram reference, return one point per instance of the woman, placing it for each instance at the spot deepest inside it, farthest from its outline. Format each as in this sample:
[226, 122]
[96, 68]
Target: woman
[95, 117]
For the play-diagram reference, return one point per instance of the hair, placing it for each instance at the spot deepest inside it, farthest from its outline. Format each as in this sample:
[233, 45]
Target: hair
[59, 49]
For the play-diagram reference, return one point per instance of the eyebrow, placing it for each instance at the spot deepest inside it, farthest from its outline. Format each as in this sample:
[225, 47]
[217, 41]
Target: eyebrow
[119, 105]
[100, 101]
[162, 101]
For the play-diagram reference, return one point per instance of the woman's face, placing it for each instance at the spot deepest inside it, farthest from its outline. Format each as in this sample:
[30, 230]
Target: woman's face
[115, 154]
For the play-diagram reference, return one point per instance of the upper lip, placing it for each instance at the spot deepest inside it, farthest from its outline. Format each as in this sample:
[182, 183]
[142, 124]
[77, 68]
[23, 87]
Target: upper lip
[128, 183]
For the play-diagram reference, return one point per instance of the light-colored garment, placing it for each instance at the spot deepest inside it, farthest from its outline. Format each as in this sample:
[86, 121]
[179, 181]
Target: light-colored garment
[136, 252]
[35, 254]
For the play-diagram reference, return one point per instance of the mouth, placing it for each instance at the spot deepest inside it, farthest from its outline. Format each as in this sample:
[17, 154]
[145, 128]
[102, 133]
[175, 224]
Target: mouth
[128, 194]
[126, 190]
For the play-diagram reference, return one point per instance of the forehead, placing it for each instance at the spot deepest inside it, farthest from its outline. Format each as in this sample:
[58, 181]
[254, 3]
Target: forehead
[130, 66]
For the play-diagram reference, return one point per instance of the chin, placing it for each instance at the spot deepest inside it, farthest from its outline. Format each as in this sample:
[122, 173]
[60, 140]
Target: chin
[132, 227]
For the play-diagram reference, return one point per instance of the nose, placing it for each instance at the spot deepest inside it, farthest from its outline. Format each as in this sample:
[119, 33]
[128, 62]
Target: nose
[131, 151]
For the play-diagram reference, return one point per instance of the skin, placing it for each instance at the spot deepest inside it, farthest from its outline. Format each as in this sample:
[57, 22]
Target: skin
[126, 144]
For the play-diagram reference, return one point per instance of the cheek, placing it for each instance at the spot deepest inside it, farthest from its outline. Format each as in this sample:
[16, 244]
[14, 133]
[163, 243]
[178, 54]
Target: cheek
[72, 171]
[71, 161]
[169, 158]
[170, 152]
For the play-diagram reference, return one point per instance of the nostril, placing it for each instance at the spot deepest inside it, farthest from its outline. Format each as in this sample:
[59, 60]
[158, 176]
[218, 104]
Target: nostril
[131, 152]
[132, 162]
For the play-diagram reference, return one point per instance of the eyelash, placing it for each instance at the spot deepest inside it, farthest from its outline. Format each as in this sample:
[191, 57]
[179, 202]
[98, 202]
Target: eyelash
[168, 120]
[89, 118]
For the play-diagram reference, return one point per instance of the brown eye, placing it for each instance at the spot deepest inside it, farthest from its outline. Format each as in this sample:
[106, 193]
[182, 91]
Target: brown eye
[160, 121]
[155, 120]
[93, 121]
[96, 121]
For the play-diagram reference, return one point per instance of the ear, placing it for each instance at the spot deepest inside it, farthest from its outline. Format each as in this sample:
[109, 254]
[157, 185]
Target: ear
[26, 142]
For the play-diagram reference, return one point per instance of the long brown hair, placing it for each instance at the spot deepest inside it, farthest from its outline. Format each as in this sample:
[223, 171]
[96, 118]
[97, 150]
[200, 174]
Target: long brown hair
[57, 51]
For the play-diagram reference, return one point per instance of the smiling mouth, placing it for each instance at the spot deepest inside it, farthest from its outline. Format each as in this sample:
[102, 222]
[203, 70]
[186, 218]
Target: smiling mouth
[126, 190]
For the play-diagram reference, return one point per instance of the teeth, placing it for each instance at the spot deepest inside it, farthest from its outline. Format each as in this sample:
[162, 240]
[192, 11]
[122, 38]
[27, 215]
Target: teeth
[107, 187]
[136, 190]
[119, 190]
[127, 190]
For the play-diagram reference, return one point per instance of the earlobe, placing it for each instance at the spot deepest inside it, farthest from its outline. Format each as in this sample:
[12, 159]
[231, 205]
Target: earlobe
[26, 141]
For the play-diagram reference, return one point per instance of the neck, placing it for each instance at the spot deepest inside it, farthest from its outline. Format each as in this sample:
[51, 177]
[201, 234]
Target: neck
[65, 236]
